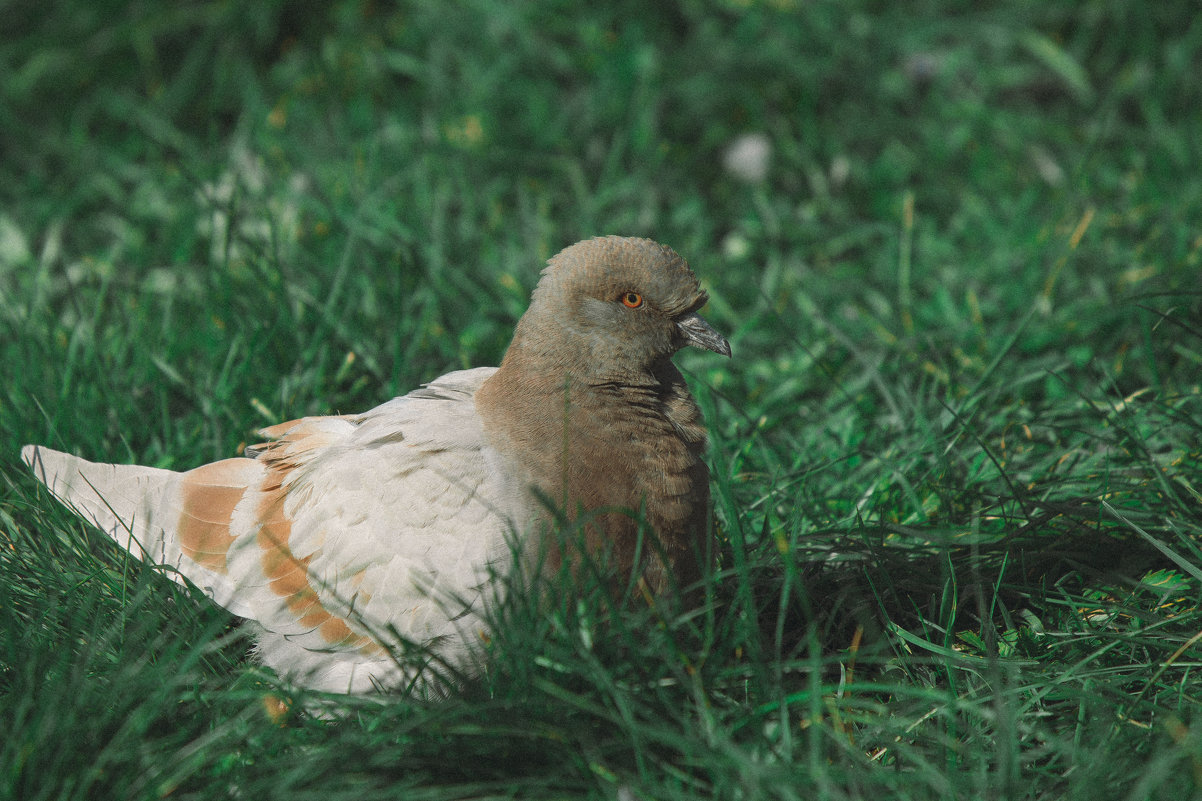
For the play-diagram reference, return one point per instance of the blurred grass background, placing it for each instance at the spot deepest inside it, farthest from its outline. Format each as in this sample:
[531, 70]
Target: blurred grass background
[956, 456]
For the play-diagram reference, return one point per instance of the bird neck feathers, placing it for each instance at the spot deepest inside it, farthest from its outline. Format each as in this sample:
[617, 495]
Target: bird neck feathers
[610, 446]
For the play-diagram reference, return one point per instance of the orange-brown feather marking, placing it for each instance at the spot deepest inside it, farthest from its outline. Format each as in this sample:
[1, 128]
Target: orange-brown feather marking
[208, 496]
[299, 428]
[336, 632]
[288, 575]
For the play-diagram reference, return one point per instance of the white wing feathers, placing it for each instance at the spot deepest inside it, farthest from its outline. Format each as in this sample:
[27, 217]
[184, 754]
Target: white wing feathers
[341, 531]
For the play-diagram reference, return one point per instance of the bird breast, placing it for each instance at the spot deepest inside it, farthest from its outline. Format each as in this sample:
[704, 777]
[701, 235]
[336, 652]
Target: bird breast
[611, 452]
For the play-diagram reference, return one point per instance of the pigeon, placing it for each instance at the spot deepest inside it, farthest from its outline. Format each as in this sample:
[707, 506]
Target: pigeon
[348, 541]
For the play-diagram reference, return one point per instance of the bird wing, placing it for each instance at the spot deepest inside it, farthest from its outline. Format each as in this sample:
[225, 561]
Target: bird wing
[341, 532]
[393, 529]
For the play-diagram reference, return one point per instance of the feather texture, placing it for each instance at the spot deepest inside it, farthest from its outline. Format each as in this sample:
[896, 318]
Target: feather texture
[343, 533]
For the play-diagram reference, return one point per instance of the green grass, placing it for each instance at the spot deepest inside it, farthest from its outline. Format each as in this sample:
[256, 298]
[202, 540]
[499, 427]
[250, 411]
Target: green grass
[956, 458]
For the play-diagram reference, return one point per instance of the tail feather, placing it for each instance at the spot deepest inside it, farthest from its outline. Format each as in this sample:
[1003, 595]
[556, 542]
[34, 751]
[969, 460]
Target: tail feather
[136, 506]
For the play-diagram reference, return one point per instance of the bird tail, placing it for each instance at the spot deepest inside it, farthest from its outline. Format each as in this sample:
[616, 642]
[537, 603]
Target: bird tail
[138, 507]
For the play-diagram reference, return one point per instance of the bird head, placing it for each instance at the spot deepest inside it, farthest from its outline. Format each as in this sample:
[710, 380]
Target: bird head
[613, 309]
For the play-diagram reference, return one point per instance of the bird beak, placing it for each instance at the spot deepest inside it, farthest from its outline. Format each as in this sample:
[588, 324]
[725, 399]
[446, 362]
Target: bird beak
[697, 331]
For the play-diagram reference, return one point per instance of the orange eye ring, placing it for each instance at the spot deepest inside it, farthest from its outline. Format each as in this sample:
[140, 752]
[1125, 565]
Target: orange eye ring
[632, 300]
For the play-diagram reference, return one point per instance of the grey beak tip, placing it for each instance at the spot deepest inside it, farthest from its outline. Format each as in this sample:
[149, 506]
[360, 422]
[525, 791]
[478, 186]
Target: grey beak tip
[701, 334]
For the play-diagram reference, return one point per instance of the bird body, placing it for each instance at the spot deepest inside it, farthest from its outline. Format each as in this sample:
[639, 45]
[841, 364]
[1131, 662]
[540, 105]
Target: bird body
[347, 536]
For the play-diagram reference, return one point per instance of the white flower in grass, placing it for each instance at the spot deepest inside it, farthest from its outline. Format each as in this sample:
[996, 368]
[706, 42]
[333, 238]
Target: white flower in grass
[747, 157]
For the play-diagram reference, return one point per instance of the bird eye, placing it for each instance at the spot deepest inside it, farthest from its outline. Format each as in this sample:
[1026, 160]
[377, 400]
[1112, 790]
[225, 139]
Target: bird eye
[632, 300]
